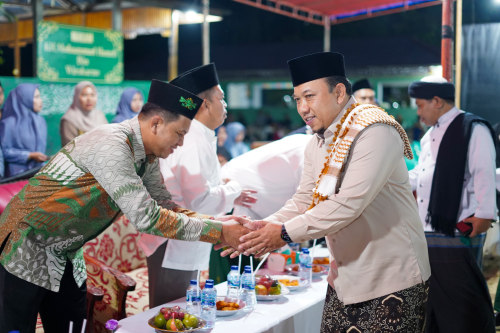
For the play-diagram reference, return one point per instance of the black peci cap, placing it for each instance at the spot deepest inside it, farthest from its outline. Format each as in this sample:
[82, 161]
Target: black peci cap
[361, 84]
[198, 79]
[174, 99]
[427, 90]
[316, 66]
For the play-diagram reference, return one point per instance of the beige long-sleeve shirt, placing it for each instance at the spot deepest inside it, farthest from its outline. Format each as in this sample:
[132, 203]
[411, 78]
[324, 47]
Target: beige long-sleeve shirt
[371, 224]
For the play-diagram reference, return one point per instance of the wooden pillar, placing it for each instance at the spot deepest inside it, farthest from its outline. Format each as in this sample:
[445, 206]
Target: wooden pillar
[37, 9]
[206, 32]
[17, 53]
[447, 40]
[326, 35]
[173, 48]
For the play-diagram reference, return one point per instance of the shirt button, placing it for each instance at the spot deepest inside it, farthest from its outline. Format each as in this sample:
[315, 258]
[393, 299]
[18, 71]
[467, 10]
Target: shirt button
[339, 263]
[433, 140]
[420, 185]
[423, 169]
[421, 200]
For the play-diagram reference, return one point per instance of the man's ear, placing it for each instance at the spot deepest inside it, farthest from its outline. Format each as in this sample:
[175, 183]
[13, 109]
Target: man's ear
[205, 104]
[154, 122]
[340, 92]
[438, 102]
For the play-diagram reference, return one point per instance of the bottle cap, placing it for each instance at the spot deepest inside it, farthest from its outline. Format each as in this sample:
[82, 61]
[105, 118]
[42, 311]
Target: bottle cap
[248, 269]
[209, 283]
[234, 267]
[193, 282]
[305, 250]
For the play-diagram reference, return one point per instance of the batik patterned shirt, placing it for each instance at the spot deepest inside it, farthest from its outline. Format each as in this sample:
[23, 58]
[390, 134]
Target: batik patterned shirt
[79, 193]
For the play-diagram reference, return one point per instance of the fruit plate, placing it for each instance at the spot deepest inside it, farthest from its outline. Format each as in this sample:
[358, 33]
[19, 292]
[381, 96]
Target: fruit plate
[285, 280]
[284, 291]
[201, 324]
[226, 313]
[317, 270]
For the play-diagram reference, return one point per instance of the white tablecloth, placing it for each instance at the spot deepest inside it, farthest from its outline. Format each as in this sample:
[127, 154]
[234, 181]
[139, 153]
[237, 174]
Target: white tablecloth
[298, 311]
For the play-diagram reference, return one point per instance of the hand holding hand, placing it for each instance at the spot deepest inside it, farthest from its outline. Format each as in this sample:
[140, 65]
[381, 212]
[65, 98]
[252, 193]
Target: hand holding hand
[266, 239]
[231, 233]
[479, 225]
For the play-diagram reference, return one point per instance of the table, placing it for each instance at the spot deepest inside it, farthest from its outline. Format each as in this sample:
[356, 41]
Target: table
[299, 311]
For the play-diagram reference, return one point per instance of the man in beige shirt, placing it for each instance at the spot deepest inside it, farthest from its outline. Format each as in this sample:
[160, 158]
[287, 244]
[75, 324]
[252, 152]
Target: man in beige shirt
[355, 192]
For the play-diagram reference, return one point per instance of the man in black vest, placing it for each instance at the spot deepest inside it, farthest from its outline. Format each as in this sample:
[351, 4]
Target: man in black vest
[455, 185]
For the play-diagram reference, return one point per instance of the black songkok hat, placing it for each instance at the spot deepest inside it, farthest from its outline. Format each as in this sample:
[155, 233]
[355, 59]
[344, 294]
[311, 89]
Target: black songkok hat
[316, 66]
[198, 79]
[427, 90]
[361, 84]
[174, 99]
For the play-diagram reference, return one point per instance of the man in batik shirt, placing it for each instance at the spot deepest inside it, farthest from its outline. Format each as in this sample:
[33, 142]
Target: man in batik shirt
[82, 189]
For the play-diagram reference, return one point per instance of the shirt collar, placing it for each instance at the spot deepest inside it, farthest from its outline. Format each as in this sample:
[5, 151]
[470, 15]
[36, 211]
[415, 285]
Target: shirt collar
[209, 133]
[448, 116]
[137, 144]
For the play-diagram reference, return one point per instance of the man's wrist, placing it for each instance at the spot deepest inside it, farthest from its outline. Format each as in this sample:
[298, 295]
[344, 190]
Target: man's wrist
[284, 235]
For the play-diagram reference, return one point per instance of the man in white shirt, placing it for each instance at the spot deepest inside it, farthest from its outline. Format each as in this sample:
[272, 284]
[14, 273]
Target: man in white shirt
[192, 175]
[272, 170]
[455, 185]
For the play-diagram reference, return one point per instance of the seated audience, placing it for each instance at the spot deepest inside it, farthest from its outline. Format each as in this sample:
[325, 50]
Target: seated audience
[130, 104]
[235, 136]
[23, 132]
[81, 116]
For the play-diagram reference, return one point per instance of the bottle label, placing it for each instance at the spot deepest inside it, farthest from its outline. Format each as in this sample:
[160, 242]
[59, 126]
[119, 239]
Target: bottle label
[233, 282]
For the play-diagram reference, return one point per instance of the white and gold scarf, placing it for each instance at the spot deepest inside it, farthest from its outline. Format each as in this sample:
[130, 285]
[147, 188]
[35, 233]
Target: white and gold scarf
[356, 119]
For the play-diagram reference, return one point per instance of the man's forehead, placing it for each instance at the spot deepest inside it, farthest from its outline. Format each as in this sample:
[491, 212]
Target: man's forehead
[365, 91]
[308, 87]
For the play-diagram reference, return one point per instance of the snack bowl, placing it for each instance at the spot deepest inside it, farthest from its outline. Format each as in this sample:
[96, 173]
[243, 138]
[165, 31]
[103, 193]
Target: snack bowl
[231, 302]
[292, 283]
[201, 323]
[317, 270]
[323, 261]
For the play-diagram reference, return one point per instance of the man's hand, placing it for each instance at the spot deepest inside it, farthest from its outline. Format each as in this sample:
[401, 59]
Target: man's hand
[266, 239]
[231, 233]
[479, 225]
[246, 199]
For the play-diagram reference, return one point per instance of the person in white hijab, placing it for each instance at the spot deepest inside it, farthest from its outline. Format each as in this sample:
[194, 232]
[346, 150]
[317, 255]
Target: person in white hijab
[81, 116]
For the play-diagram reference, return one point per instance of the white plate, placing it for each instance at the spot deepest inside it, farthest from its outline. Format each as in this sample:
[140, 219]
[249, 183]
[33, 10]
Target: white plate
[291, 278]
[284, 291]
[289, 269]
[221, 313]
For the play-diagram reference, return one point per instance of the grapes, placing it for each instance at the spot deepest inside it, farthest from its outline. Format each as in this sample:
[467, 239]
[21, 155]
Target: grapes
[175, 318]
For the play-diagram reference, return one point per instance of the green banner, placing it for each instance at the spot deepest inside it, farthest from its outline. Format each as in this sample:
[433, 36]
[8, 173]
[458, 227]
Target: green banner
[69, 53]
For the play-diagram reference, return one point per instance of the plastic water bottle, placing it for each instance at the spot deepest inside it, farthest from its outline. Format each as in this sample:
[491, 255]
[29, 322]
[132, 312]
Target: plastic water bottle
[193, 297]
[208, 308]
[248, 289]
[233, 283]
[305, 267]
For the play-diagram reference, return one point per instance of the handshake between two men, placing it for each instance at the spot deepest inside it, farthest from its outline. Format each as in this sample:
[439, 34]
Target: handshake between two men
[241, 235]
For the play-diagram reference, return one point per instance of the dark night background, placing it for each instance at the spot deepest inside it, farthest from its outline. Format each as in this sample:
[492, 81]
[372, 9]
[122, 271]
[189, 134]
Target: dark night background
[250, 42]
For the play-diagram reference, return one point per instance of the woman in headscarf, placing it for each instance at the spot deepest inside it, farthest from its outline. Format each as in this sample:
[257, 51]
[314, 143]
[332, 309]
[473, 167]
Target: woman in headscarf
[129, 106]
[234, 142]
[81, 116]
[23, 132]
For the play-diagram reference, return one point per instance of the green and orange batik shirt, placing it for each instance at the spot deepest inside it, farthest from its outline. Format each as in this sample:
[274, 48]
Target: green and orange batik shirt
[79, 193]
